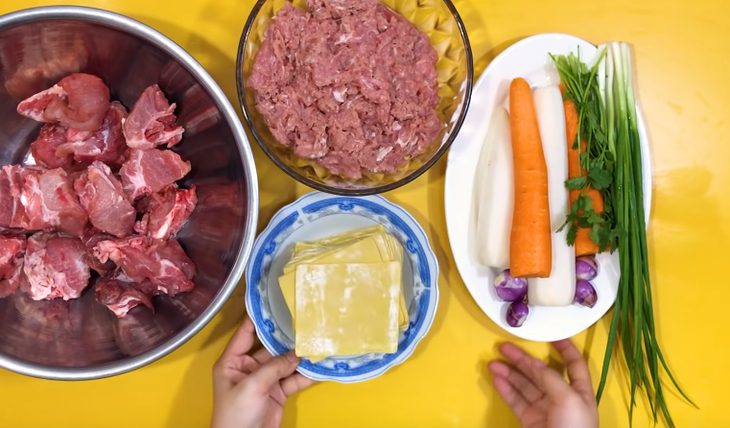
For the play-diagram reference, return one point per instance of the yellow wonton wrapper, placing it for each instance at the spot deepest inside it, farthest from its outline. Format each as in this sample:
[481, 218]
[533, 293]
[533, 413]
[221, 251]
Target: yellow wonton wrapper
[371, 245]
[347, 308]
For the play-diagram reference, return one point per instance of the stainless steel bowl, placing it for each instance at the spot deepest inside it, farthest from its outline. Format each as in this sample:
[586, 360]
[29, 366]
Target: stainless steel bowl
[81, 339]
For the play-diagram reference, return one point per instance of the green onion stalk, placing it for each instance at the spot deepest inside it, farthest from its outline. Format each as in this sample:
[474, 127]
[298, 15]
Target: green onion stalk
[632, 323]
[604, 97]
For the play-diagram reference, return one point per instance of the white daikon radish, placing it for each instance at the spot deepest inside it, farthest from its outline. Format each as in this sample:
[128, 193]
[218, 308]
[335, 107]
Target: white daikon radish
[551, 121]
[559, 288]
[494, 192]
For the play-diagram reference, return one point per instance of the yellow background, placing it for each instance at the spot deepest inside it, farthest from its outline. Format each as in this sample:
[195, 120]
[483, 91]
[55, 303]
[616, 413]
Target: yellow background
[684, 88]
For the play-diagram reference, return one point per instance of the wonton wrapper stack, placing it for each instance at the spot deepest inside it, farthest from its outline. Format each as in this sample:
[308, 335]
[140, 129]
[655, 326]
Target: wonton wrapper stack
[345, 294]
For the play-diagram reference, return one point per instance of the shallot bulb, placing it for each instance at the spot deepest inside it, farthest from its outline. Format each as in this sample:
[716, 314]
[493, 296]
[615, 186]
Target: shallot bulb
[585, 294]
[586, 268]
[517, 313]
[509, 288]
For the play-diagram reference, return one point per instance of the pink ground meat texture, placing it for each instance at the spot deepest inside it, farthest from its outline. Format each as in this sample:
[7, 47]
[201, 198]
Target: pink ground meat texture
[348, 83]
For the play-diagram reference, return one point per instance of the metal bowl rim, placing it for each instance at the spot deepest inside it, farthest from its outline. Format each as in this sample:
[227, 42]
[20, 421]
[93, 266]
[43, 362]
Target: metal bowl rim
[157, 39]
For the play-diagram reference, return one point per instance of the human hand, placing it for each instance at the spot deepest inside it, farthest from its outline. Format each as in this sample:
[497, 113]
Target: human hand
[249, 390]
[539, 396]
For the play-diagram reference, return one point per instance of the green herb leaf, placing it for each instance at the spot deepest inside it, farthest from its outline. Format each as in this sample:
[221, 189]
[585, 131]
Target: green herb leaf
[600, 178]
[576, 183]
[599, 235]
[572, 233]
[595, 220]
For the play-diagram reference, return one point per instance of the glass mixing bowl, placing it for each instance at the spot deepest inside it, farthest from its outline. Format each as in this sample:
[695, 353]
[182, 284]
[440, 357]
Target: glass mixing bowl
[440, 21]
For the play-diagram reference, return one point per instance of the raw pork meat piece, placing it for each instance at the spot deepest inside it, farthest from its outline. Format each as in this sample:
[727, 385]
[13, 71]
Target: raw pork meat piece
[90, 238]
[12, 211]
[50, 202]
[56, 266]
[151, 122]
[78, 101]
[167, 212]
[57, 146]
[45, 147]
[120, 297]
[105, 144]
[163, 263]
[12, 250]
[149, 171]
[102, 196]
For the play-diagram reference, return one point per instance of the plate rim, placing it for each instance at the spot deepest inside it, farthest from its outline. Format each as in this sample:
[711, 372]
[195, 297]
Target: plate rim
[429, 257]
[449, 183]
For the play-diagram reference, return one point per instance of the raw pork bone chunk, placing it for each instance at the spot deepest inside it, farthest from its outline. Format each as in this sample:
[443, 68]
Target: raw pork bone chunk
[45, 147]
[149, 171]
[56, 266]
[50, 202]
[12, 211]
[32, 198]
[163, 263]
[102, 196]
[57, 146]
[12, 250]
[166, 212]
[90, 238]
[105, 144]
[151, 122]
[120, 297]
[78, 101]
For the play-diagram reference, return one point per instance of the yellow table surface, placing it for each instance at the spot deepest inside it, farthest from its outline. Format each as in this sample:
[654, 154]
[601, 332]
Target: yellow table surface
[681, 49]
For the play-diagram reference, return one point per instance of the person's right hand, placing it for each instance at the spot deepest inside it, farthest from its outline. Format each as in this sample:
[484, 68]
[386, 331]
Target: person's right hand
[251, 388]
[539, 396]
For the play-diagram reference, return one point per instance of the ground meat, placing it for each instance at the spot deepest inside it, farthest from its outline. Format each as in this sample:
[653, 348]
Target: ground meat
[348, 83]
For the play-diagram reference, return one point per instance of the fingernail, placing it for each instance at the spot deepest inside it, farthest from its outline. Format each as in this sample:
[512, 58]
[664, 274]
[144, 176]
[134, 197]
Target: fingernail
[538, 364]
[291, 357]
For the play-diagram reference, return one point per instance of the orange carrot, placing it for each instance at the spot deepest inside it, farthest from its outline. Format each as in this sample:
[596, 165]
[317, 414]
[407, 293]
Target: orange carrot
[530, 242]
[583, 243]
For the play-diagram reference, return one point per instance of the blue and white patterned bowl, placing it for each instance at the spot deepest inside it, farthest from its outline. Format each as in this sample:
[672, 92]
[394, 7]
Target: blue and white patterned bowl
[317, 215]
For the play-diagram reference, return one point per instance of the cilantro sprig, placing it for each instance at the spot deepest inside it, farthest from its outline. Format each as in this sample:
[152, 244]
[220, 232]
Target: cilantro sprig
[597, 159]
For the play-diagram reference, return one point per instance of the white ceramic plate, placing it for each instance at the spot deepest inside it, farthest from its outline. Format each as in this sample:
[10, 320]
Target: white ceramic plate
[318, 215]
[527, 58]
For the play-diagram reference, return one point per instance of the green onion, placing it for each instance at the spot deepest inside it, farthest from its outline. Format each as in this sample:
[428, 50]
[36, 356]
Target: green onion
[633, 316]
[618, 143]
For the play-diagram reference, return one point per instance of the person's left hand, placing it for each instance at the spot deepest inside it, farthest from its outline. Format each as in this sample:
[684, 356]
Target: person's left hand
[540, 396]
[249, 390]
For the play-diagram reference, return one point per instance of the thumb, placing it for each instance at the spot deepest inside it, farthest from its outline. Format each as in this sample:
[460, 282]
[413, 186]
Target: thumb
[273, 371]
